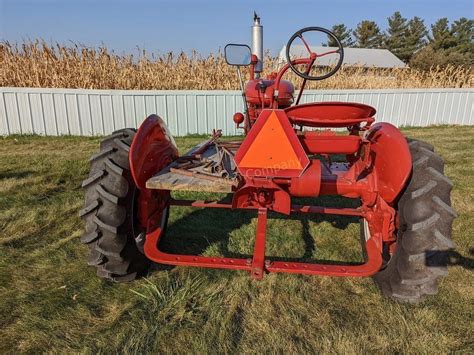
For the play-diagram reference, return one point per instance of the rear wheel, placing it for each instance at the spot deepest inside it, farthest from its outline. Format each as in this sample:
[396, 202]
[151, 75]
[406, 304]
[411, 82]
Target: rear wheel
[111, 232]
[424, 237]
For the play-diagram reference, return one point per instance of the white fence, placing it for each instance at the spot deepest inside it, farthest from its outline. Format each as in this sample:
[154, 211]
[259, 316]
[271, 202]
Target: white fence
[99, 112]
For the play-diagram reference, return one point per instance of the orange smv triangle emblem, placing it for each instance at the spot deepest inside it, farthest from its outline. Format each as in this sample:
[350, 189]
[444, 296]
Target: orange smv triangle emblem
[271, 148]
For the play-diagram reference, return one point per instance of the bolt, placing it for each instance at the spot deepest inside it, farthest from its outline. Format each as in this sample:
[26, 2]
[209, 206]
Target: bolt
[248, 261]
[262, 197]
[268, 263]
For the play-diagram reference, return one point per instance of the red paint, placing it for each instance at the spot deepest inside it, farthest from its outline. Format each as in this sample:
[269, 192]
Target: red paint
[327, 53]
[262, 193]
[258, 261]
[370, 267]
[152, 149]
[328, 143]
[283, 70]
[238, 118]
[392, 159]
[258, 90]
[330, 114]
[293, 209]
[259, 265]
[309, 183]
[153, 236]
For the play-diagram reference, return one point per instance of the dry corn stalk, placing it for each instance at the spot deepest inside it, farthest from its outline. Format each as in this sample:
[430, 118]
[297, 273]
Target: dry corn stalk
[39, 64]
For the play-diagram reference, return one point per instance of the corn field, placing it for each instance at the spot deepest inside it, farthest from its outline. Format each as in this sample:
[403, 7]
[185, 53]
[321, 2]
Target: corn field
[39, 64]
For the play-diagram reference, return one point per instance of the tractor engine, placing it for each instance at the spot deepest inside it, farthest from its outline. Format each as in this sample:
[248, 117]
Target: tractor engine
[259, 93]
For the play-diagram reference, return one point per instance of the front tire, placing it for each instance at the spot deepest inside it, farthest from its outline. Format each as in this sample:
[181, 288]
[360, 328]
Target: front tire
[111, 228]
[424, 236]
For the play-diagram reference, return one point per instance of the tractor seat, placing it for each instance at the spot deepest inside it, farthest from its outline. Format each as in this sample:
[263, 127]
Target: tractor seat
[331, 114]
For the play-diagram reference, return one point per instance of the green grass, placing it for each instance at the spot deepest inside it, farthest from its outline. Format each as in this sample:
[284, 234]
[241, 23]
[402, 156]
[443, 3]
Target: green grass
[50, 300]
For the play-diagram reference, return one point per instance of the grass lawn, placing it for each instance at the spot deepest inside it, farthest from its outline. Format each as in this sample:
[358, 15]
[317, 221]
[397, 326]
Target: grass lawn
[50, 300]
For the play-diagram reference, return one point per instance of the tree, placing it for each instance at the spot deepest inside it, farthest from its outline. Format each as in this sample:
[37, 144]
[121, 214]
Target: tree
[368, 35]
[462, 31]
[396, 41]
[428, 57]
[405, 38]
[416, 37]
[343, 34]
[447, 45]
[441, 38]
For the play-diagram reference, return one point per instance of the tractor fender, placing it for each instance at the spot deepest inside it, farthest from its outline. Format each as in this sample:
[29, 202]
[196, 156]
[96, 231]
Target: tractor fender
[391, 157]
[152, 149]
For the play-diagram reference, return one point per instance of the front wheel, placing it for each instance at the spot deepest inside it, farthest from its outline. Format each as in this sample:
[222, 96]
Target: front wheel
[112, 231]
[424, 236]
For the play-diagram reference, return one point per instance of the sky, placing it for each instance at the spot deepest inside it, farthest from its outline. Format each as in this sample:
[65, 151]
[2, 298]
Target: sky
[183, 25]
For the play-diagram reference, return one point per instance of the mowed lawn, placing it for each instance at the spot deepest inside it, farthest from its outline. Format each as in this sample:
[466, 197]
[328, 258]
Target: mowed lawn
[50, 300]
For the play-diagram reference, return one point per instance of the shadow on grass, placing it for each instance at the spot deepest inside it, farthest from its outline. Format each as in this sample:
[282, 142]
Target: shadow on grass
[194, 233]
[15, 174]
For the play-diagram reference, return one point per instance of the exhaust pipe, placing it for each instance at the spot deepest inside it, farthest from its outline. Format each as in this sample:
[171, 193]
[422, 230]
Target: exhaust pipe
[257, 44]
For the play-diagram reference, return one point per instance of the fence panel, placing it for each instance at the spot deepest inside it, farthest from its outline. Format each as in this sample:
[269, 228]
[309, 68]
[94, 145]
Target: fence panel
[100, 112]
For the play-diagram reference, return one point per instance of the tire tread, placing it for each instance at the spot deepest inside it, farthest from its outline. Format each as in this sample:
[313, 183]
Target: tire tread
[112, 247]
[417, 265]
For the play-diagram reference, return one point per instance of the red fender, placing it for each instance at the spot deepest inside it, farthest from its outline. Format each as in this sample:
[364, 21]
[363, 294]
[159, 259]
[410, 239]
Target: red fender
[392, 159]
[152, 149]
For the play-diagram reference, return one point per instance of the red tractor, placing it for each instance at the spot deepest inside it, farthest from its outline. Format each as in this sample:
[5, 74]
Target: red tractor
[287, 152]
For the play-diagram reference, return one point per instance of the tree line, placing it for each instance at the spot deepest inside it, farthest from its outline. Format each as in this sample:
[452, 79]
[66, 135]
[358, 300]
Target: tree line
[412, 42]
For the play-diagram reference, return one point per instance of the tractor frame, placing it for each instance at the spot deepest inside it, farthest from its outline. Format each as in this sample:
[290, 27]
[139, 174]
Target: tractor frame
[264, 177]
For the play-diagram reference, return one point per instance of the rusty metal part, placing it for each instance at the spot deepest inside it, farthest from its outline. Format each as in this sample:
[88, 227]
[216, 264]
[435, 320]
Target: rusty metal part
[204, 176]
[207, 166]
[227, 151]
[190, 165]
[185, 158]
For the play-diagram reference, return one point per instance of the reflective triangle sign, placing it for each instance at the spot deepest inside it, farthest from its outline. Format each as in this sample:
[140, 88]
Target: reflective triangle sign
[271, 148]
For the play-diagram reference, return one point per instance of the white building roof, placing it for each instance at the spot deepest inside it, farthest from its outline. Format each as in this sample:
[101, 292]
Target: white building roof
[365, 57]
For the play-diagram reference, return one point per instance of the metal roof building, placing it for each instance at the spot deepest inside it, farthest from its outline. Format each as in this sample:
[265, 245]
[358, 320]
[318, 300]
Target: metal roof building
[364, 57]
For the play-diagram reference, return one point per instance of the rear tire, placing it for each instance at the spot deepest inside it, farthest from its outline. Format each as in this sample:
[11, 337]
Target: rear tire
[111, 229]
[424, 237]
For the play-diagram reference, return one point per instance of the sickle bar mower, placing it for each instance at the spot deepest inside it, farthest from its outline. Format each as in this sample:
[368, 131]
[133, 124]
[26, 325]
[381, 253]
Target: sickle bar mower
[287, 152]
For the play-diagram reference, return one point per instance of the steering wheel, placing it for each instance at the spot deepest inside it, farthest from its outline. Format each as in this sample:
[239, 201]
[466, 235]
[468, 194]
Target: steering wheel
[312, 55]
